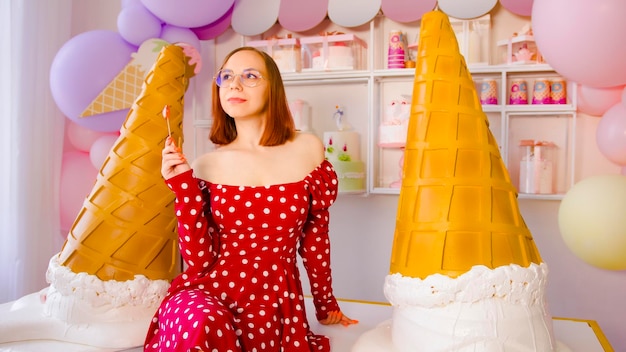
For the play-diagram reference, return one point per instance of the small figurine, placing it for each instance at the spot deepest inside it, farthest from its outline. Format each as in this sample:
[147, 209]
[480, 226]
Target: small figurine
[342, 124]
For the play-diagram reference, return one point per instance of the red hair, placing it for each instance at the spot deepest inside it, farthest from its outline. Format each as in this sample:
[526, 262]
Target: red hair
[279, 128]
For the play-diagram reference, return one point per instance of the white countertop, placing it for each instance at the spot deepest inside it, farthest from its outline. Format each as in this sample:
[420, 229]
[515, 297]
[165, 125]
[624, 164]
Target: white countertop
[573, 335]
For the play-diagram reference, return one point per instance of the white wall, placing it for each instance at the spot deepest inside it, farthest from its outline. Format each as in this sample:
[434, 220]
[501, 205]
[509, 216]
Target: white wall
[363, 226]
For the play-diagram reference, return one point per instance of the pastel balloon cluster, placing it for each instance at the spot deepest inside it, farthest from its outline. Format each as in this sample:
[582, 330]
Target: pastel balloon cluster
[89, 61]
[583, 44]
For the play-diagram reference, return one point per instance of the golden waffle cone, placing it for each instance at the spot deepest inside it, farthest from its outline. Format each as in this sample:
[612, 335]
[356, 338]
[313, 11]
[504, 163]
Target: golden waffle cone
[457, 207]
[127, 225]
[120, 93]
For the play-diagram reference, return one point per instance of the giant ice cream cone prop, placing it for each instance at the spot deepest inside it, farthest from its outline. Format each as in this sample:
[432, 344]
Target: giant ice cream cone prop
[457, 206]
[465, 273]
[127, 225]
[115, 266]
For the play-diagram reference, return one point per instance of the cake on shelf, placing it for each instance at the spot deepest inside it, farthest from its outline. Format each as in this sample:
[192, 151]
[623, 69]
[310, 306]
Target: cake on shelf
[393, 129]
[122, 250]
[465, 273]
[343, 151]
[286, 52]
[334, 51]
[339, 56]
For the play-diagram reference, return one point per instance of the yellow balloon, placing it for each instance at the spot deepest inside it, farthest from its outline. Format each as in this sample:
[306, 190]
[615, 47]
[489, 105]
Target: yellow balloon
[592, 221]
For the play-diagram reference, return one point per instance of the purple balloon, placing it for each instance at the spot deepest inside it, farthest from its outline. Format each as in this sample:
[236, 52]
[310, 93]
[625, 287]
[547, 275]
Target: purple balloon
[173, 34]
[82, 68]
[611, 134]
[136, 24]
[188, 13]
[213, 30]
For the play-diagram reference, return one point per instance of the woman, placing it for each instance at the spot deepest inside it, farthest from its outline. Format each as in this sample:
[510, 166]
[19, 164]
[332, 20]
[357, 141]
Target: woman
[243, 212]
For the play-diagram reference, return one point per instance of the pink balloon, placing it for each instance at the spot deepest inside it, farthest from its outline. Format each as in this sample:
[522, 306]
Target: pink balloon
[405, 11]
[82, 68]
[81, 137]
[301, 15]
[213, 30]
[518, 7]
[136, 24]
[173, 34]
[596, 101]
[100, 149]
[580, 42]
[611, 134]
[77, 179]
[188, 13]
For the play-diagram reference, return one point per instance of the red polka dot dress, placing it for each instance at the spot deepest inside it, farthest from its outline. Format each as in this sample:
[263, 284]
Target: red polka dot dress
[241, 290]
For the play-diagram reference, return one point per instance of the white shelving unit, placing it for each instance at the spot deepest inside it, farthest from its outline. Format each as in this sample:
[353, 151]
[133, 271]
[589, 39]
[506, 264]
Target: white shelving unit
[363, 93]
[508, 123]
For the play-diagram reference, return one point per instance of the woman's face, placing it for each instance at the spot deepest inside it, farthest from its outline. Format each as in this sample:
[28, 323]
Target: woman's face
[237, 98]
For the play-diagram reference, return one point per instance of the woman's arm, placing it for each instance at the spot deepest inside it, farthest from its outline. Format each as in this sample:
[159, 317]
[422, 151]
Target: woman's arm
[196, 239]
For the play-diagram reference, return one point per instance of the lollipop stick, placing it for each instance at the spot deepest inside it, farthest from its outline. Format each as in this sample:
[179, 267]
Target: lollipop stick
[166, 116]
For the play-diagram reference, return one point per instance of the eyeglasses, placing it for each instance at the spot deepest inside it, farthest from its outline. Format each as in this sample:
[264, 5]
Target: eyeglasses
[249, 78]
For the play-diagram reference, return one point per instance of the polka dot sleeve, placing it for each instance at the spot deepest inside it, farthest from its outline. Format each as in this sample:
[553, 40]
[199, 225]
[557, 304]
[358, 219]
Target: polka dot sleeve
[195, 225]
[315, 244]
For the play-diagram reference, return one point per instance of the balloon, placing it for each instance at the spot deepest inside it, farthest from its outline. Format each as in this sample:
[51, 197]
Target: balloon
[580, 42]
[77, 179]
[82, 68]
[252, 17]
[214, 29]
[344, 13]
[188, 13]
[596, 101]
[466, 9]
[173, 34]
[100, 149]
[81, 137]
[518, 7]
[302, 15]
[611, 134]
[404, 11]
[136, 24]
[592, 222]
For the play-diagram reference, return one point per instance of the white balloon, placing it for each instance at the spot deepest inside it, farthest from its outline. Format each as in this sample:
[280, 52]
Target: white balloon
[466, 9]
[252, 17]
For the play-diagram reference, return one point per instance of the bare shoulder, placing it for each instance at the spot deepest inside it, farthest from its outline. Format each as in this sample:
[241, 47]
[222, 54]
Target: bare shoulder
[204, 164]
[310, 146]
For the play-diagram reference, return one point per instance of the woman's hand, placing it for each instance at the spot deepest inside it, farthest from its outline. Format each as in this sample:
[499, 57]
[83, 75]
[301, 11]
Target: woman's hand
[174, 162]
[337, 317]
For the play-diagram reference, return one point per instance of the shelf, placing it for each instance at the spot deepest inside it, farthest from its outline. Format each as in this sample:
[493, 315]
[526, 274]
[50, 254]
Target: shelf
[540, 108]
[540, 196]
